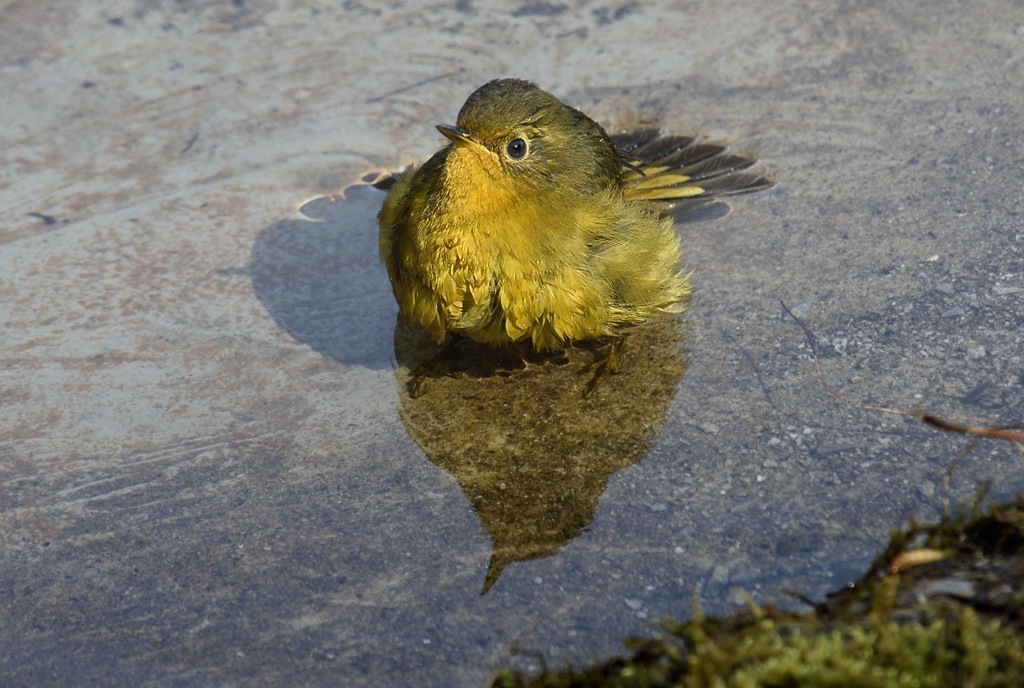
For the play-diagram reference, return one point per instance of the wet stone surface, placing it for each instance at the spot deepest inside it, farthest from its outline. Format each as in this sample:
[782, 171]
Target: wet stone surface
[211, 470]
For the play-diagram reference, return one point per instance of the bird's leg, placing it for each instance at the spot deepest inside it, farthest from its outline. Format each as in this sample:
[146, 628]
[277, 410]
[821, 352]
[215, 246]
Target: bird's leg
[609, 363]
[441, 359]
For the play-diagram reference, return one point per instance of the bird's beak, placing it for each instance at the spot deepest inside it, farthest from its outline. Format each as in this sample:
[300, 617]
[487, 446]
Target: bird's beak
[456, 135]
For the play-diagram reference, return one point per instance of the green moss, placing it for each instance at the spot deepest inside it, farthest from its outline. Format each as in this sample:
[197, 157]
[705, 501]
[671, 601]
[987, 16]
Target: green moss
[885, 632]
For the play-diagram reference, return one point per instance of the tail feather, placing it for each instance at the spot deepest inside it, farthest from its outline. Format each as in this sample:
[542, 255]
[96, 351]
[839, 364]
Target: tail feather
[670, 170]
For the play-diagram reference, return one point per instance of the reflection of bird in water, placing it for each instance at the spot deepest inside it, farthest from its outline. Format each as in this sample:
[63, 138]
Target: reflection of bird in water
[535, 231]
[532, 457]
[532, 227]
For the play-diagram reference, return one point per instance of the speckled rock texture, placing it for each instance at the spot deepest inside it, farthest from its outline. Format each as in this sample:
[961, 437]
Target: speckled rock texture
[211, 472]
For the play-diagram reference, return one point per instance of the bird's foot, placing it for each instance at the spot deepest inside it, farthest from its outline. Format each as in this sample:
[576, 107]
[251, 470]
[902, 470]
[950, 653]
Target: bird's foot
[442, 360]
[609, 363]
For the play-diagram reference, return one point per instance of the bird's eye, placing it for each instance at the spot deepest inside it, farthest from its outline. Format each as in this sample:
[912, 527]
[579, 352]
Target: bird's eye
[516, 149]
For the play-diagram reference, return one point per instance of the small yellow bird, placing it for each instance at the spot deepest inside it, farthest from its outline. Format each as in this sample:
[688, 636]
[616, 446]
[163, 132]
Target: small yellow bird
[531, 225]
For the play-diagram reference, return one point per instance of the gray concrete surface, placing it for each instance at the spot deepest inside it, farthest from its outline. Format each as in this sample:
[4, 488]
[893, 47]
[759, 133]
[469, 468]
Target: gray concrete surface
[211, 470]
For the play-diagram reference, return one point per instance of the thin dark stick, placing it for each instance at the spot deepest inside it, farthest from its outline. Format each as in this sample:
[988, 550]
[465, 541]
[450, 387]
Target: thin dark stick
[1016, 437]
[1008, 434]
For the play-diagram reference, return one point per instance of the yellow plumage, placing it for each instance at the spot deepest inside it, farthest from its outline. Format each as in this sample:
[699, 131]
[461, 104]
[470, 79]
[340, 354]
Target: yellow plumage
[527, 227]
